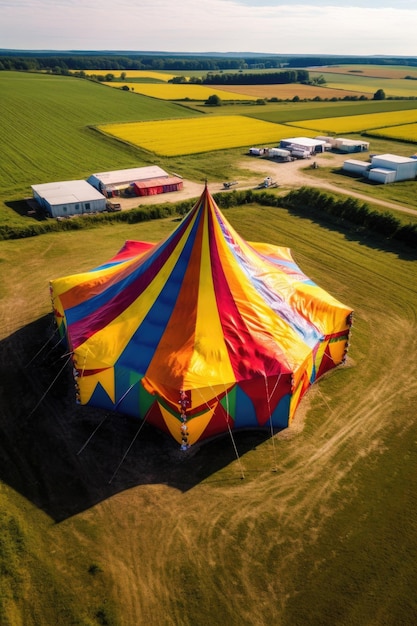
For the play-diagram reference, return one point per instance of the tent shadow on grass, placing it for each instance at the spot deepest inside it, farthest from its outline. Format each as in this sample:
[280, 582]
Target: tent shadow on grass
[46, 451]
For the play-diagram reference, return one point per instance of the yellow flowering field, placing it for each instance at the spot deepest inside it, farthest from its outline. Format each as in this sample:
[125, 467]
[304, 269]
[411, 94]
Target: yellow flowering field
[357, 123]
[131, 74]
[172, 91]
[202, 134]
[404, 132]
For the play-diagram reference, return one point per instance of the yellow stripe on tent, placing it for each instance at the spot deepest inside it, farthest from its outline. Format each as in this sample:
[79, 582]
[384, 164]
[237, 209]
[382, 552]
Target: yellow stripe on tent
[195, 426]
[104, 347]
[210, 358]
[87, 384]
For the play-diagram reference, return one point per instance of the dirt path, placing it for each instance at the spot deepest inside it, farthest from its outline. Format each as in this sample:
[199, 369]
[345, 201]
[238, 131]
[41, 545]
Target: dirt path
[293, 174]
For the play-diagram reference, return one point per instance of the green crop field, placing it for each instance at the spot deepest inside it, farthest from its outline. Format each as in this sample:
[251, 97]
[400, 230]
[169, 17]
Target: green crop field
[47, 130]
[393, 87]
[315, 526]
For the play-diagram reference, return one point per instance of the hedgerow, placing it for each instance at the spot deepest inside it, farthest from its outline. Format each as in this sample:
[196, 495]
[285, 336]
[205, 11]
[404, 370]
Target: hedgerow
[305, 200]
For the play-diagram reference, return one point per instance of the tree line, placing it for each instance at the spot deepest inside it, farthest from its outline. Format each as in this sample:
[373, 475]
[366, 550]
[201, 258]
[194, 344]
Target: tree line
[51, 61]
[305, 201]
[67, 62]
[270, 78]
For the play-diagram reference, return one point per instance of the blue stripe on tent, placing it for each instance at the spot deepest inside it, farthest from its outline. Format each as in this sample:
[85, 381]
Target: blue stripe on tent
[85, 308]
[281, 413]
[141, 347]
[101, 399]
[245, 414]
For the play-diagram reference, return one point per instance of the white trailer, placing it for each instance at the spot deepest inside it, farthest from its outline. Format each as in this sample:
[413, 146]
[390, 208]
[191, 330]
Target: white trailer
[279, 153]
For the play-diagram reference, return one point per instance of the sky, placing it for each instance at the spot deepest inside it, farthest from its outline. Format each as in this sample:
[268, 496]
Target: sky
[347, 27]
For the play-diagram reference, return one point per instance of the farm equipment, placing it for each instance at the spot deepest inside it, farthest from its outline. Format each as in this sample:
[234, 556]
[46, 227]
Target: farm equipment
[227, 185]
[113, 207]
[267, 183]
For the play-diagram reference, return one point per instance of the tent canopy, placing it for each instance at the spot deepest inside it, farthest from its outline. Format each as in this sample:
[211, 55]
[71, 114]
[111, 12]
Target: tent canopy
[200, 333]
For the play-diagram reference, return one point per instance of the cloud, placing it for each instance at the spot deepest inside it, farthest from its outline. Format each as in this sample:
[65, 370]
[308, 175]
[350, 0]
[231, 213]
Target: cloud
[265, 26]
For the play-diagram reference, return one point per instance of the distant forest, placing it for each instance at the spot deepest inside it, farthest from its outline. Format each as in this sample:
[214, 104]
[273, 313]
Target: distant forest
[272, 78]
[62, 63]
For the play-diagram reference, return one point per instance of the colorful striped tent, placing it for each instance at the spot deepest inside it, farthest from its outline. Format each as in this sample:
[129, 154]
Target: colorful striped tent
[202, 333]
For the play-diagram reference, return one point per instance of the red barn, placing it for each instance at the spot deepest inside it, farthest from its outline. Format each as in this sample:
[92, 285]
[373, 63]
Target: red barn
[157, 185]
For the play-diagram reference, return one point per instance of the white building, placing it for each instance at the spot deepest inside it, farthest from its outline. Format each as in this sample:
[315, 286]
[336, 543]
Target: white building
[303, 144]
[354, 166]
[345, 145]
[112, 183]
[383, 168]
[72, 197]
[381, 175]
[405, 167]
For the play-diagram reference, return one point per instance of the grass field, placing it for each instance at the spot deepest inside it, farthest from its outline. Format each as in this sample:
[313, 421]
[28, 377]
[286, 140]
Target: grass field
[322, 529]
[315, 526]
[393, 87]
[47, 128]
[374, 71]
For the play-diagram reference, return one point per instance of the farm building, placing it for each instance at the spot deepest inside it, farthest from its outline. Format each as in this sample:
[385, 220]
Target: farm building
[381, 175]
[405, 168]
[350, 145]
[344, 145]
[353, 166]
[112, 183]
[303, 144]
[383, 168]
[157, 185]
[72, 197]
[328, 141]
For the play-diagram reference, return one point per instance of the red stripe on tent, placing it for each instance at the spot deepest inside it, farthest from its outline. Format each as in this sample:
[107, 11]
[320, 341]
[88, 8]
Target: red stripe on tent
[248, 357]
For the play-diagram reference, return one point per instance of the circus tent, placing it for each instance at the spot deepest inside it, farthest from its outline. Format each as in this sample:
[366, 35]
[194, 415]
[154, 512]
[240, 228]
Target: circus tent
[202, 333]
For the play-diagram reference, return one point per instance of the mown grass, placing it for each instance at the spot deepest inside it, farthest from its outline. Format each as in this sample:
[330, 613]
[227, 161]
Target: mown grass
[190, 542]
[324, 540]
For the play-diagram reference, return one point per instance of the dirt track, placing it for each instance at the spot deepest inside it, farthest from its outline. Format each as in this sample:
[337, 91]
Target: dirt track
[289, 175]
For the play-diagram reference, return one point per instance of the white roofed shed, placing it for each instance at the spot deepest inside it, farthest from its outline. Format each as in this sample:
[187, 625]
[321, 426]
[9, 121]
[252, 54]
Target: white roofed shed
[71, 197]
[306, 144]
[354, 166]
[405, 167]
[110, 183]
